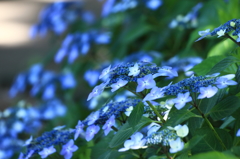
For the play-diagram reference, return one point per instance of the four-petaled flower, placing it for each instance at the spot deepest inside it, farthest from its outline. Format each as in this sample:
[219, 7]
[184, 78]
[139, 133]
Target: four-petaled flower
[224, 81]
[182, 99]
[166, 71]
[176, 145]
[79, 128]
[128, 111]
[47, 151]
[182, 130]
[204, 32]
[105, 72]
[238, 133]
[96, 91]
[155, 93]
[109, 123]
[120, 83]
[207, 92]
[68, 149]
[134, 71]
[136, 142]
[93, 117]
[146, 82]
[221, 33]
[91, 131]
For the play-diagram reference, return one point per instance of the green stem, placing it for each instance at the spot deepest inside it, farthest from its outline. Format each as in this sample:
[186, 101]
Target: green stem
[211, 127]
[150, 104]
[114, 128]
[228, 36]
[156, 112]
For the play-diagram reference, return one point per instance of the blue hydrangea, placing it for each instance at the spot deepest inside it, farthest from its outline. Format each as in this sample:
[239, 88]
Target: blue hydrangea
[187, 21]
[56, 17]
[229, 26]
[79, 44]
[113, 108]
[41, 81]
[192, 84]
[48, 139]
[161, 137]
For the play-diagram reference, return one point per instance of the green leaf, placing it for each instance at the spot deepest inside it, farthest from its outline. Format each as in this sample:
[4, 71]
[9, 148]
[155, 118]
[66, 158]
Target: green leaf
[205, 66]
[126, 131]
[194, 123]
[178, 116]
[213, 155]
[223, 64]
[208, 103]
[192, 143]
[236, 151]
[222, 48]
[236, 139]
[226, 122]
[210, 141]
[225, 108]
[136, 115]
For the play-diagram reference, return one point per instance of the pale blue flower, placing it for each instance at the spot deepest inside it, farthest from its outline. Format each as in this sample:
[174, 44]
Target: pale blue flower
[47, 151]
[147, 82]
[166, 71]
[93, 117]
[105, 72]
[176, 145]
[136, 142]
[68, 149]
[79, 129]
[182, 130]
[182, 99]
[153, 4]
[207, 92]
[91, 131]
[120, 83]
[225, 81]
[134, 71]
[238, 133]
[96, 91]
[155, 93]
[109, 123]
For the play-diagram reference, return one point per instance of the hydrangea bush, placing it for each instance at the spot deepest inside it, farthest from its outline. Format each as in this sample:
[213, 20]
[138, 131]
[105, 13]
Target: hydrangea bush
[141, 81]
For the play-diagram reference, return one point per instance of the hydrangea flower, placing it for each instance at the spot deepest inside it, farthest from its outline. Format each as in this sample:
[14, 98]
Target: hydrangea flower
[128, 111]
[120, 83]
[109, 123]
[225, 81]
[166, 71]
[91, 76]
[134, 71]
[79, 128]
[96, 91]
[204, 32]
[238, 133]
[136, 142]
[91, 131]
[105, 72]
[221, 33]
[182, 130]
[182, 99]
[154, 4]
[47, 151]
[68, 149]
[155, 93]
[176, 145]
[147, 82]
[93, 117]
[207, 92]
[152, 128]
